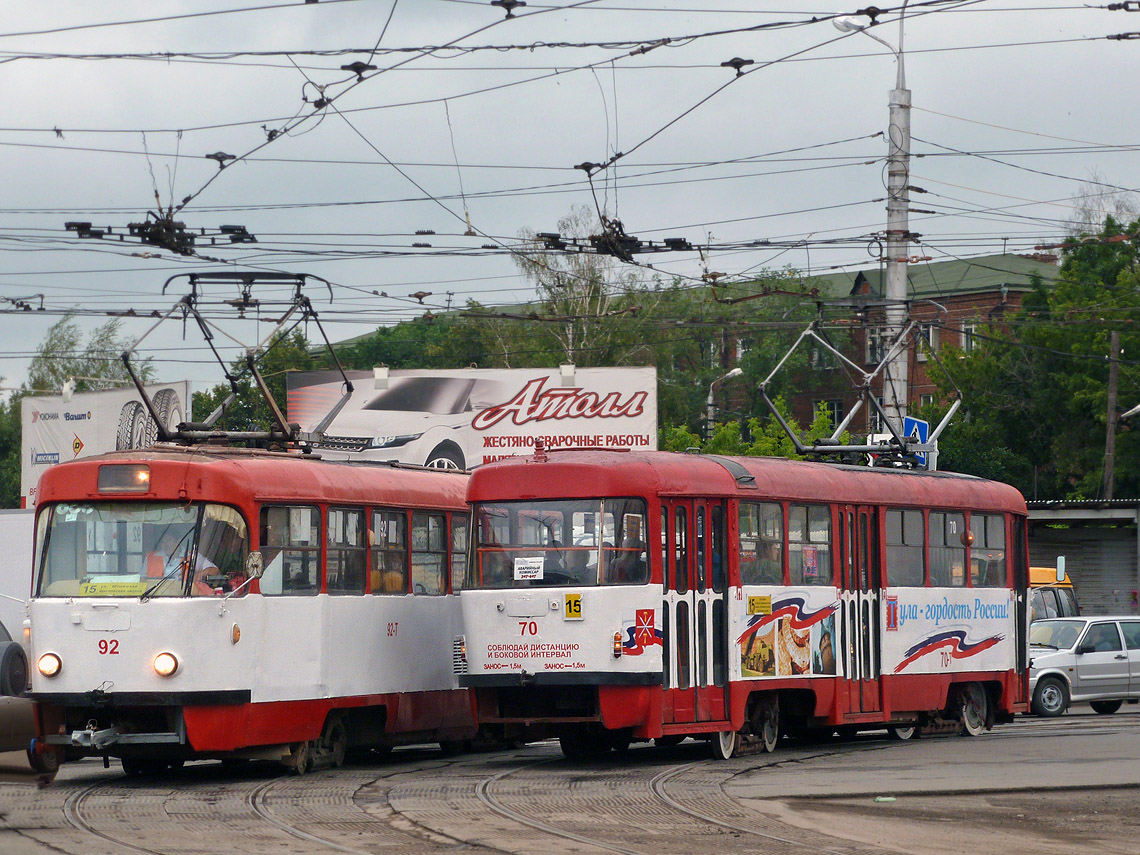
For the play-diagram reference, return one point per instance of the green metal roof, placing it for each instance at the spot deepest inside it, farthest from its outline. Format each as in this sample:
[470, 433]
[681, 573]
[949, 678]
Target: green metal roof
[933, 279]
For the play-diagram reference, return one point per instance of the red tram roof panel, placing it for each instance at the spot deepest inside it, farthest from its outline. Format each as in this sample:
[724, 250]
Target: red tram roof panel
[586, 474]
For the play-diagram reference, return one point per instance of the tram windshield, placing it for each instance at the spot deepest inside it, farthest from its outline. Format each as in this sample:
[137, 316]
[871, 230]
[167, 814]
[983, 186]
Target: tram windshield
[566, 542]
[137, 549]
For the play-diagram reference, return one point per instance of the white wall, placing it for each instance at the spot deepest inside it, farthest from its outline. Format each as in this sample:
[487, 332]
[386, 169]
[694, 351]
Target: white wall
[16, 534]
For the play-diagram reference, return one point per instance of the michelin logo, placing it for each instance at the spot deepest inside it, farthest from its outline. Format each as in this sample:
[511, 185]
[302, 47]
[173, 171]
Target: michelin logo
[44, 458]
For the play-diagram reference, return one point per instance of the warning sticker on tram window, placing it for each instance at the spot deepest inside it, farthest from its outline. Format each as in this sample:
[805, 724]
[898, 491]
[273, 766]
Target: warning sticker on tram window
[573, 607]
[760, 605]
[528, 569]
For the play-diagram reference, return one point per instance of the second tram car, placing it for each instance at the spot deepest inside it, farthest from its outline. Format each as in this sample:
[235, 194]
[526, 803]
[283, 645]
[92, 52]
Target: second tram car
[617, 596]
[217, 602]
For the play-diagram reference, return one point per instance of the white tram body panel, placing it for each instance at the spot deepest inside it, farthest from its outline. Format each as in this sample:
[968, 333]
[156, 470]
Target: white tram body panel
[562, 634]
[278, 649]
[948, 630]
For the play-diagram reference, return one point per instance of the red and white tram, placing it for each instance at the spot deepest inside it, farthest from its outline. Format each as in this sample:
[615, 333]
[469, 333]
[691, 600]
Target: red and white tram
[618, 596]
[218, 602]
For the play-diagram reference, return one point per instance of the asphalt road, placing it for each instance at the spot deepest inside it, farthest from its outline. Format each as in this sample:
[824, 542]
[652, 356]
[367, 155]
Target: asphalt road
[1040, 786]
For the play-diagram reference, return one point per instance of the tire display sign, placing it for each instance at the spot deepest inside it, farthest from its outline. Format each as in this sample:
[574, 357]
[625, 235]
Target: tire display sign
[464, 418]
[55, 431]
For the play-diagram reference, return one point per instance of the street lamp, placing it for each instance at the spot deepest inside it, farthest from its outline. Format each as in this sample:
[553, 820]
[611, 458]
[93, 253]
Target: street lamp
[710, 407]
[898, 224]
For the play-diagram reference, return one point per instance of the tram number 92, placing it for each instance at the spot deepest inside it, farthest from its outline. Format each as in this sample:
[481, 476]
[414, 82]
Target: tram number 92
[108, 647]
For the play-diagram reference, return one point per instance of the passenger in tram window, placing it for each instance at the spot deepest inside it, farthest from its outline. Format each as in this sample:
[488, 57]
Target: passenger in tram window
[577, 567]
[629, 564]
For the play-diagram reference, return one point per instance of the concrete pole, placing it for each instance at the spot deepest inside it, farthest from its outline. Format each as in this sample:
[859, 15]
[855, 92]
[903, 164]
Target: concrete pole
[898, 243]
[1110, 432]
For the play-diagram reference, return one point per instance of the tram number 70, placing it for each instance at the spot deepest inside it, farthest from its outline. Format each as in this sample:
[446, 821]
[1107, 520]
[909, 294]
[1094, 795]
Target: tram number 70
[528, 627]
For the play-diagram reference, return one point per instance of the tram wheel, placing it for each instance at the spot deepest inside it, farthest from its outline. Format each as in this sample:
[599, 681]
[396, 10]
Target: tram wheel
[902, 733]
[766, 722]
[334, 741]
[973, 707]
[725, 744]
[300, 758]
[133, 767]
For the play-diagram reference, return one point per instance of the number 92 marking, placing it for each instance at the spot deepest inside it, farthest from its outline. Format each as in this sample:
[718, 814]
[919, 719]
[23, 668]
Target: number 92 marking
[108, 647]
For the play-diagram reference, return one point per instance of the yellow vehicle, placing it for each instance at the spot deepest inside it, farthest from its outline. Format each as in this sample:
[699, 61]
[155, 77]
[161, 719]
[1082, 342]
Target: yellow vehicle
[1051, 592]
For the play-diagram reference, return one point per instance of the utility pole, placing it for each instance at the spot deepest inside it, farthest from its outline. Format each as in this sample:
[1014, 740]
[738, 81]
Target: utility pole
[898, 217]
[898, 242]
[1110, 435]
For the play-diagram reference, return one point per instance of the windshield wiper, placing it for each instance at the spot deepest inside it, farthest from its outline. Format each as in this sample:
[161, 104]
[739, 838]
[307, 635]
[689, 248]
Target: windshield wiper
[169, 575]
[1043, 644]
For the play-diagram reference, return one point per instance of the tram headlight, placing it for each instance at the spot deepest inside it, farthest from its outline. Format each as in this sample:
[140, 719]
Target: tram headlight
[165, 664]
[617, 645]
[49, 664]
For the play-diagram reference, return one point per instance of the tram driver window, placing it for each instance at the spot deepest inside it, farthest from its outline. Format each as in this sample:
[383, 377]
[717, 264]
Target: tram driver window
[947, 550]
[429, 553]
[905, 548]
[809, 544]
[987, 550]
[291, 549]
[761, 543]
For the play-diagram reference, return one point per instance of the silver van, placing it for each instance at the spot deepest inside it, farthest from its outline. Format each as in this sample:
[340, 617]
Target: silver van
[1094, 659]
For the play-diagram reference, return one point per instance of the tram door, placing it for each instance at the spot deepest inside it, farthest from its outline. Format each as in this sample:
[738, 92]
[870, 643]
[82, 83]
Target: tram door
[862, 583]
[695, 610]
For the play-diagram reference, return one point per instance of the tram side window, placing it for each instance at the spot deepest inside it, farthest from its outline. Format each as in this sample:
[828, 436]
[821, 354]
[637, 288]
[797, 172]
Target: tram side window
[389, 552]
[459, 527]
[905, 548]
[347, 553]
[761, 543]
[987, 550]
[947, 550]
[809, 544]
[291, 548]
[429, 553]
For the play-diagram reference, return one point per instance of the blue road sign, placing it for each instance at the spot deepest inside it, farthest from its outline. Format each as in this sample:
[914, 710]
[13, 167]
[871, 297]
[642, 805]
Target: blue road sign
[918, 430]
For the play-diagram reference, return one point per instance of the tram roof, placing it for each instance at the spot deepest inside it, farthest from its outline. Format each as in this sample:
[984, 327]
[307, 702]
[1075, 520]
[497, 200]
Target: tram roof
[243, 475]
[588, 474]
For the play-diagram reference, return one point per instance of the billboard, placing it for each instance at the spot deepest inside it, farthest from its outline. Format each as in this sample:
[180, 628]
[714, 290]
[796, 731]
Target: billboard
[467, 417]
[54, 430]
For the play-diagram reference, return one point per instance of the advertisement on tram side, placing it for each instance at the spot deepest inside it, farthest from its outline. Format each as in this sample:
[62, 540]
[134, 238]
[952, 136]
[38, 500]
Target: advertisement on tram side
[460, 419]
[938, 630]
[788, 632]
[55, 430]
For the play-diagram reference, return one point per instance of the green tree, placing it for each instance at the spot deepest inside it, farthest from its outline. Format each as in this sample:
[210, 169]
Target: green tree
[1035, 391]
[250, 411]
[95, 364]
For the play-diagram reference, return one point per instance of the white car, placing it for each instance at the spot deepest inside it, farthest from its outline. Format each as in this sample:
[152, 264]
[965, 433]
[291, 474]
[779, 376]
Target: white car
[421, 420]
[1094, 659]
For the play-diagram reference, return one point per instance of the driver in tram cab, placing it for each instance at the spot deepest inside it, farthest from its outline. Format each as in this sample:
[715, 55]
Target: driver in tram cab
[167, 558]
[629, 565]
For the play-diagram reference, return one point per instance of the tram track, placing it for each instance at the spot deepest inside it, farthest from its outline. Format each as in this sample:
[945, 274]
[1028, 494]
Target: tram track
[73, 813]
[525, 802]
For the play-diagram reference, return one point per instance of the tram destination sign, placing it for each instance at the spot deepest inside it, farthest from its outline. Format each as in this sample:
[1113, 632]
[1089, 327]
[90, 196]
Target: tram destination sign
[465, 418]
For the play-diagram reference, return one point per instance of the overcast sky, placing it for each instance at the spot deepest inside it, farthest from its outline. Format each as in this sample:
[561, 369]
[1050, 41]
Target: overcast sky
[1016, 103]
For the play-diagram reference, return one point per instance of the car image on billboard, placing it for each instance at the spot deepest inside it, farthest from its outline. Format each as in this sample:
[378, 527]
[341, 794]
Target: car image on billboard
[418, 420]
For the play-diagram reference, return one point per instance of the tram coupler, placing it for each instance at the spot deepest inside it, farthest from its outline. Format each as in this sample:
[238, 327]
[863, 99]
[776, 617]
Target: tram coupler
[96, 739]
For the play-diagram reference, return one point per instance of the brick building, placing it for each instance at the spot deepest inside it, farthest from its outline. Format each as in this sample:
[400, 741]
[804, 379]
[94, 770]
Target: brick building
[950, 300]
